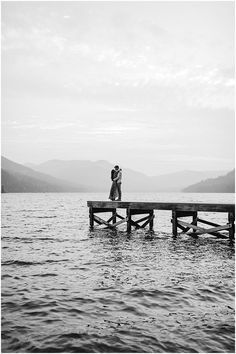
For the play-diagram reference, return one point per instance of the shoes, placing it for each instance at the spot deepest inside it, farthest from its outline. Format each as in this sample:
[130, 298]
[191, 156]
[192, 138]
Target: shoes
[118, 200]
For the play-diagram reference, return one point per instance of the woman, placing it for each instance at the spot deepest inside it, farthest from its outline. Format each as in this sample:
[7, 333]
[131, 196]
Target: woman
[113, 190]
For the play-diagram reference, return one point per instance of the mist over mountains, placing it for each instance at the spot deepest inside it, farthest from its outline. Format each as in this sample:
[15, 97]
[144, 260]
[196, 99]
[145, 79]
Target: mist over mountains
[16, 178]
[221, 184]
[97, 174]
[94, 176]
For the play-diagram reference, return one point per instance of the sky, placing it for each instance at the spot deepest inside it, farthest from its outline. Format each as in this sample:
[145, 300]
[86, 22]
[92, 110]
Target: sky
[146, 85]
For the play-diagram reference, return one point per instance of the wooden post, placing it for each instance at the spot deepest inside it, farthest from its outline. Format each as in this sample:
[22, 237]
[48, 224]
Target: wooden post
[91, 218]
[114, 216]
[231, 218]
[128, 212]
[151, 221]
[194, 220]
[174, 223]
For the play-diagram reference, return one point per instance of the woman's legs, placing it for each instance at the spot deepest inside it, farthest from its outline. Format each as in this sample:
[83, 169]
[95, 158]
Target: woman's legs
[113, 191]
[119, 191]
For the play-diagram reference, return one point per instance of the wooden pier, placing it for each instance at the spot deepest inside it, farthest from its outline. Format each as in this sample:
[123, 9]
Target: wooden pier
[179, 211]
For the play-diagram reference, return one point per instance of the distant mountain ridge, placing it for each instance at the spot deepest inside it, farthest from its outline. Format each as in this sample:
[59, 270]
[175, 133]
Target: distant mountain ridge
[221, 184]
[16, 178]
[97, 175]
[91, 176]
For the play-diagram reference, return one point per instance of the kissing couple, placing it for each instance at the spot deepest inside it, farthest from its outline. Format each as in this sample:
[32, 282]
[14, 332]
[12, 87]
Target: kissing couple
[116, 176]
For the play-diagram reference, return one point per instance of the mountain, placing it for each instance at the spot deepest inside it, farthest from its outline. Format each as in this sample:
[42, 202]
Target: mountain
[97, 175]
[175, 182]
[17, 178]
[222, 184]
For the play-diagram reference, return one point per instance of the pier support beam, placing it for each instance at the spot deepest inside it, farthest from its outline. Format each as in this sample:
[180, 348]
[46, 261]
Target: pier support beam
[179, 211]
[180, 214]
[114, 216]
[197, 230]
[129, 220]
[194, 219]
[174, 223]
[91, 218]
[151, 223]
[231, 219]
[111, 223]
[147, 220]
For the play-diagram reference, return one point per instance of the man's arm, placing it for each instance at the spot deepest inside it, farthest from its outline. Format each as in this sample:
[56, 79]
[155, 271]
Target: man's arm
[118, 176]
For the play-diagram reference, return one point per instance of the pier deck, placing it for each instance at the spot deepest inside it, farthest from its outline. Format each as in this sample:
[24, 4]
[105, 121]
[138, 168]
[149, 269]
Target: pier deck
[179, 210]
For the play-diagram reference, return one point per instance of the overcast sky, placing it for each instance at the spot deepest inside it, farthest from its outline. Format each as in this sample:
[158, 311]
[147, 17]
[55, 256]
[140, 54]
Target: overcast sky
[147, 85]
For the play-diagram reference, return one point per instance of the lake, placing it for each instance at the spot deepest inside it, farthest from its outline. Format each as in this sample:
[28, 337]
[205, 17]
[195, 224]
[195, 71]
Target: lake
[68, 289]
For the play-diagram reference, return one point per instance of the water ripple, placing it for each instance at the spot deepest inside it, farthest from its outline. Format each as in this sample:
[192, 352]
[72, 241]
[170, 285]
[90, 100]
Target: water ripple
[66, 289]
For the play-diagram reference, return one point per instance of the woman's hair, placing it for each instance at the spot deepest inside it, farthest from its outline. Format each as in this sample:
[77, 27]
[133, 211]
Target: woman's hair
[116, 166]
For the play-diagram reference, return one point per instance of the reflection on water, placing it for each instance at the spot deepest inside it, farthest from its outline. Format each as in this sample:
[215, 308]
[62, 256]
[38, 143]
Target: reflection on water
[66, 289]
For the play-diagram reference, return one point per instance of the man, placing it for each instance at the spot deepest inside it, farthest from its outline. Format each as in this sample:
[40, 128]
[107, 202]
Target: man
[118, 181]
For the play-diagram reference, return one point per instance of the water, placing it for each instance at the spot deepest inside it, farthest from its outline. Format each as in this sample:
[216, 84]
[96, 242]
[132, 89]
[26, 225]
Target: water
[67, 289]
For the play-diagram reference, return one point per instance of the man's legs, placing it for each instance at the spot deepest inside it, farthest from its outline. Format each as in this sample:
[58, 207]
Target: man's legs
[119, 191]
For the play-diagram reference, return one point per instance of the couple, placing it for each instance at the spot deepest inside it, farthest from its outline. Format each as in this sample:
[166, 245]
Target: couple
[116, 176]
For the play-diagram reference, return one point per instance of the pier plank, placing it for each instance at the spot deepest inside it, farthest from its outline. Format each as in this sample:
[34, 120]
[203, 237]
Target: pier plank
[140, 211]
[183, 207]
[181, 214]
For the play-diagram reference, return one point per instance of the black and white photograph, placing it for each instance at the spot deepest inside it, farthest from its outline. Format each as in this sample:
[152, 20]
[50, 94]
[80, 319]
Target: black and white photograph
[117, 176]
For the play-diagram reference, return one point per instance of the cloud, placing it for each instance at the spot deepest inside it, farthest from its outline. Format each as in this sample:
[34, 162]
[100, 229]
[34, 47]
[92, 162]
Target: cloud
[106, 60]
[120, 75]
[39, 125]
